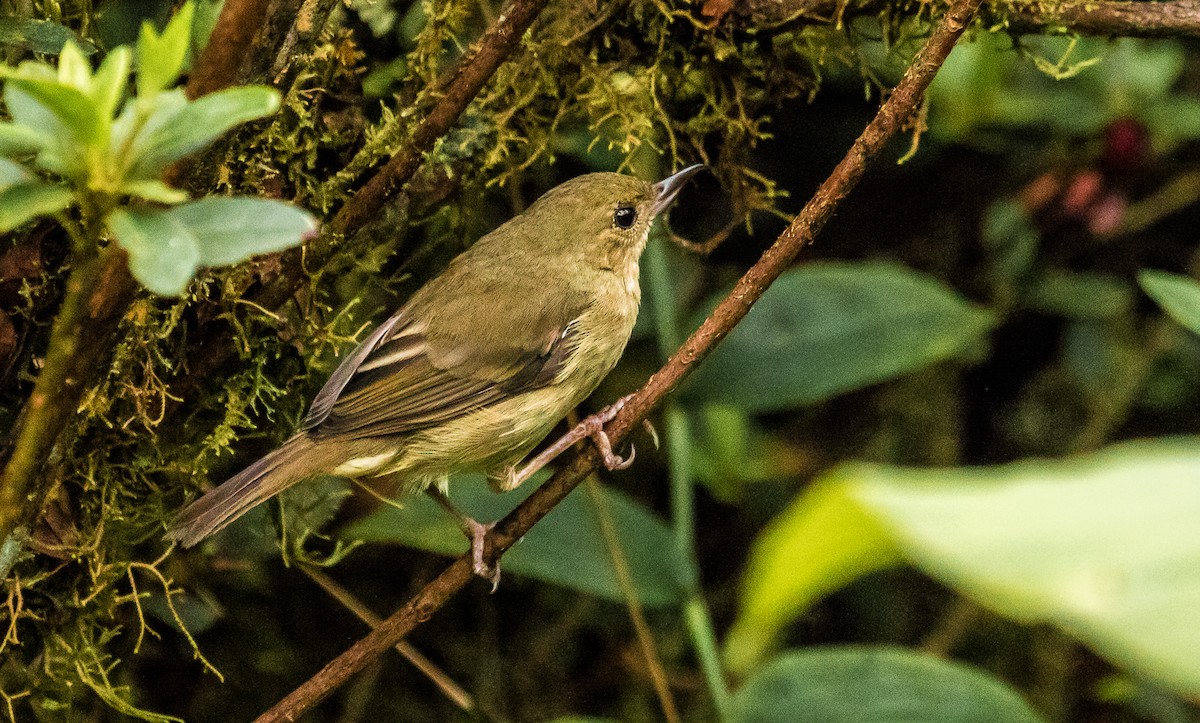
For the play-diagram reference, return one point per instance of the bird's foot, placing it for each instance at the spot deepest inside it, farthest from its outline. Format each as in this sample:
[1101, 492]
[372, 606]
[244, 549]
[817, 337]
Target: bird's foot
[591, 427]
[476, 532]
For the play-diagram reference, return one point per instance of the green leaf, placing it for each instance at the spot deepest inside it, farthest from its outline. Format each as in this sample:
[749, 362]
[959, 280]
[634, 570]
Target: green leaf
[18, 140]
[24, 201]
[176, 133]
[156, 191]
[160, 57]
[74, 69]
[1080, 295]
[875, 685]
[230, 230]
[13, 173]
[818, 545]
[1178, 295]
[566, 548]
[825, 329]
[1104, 546]
[108, 85]
[163, 254]
[40, 36]
[70, 107]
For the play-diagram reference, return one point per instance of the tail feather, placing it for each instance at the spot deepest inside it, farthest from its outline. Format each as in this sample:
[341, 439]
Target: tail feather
[254, 485]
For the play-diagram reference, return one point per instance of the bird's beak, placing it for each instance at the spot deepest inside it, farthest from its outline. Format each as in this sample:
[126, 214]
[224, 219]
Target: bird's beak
[668, 188]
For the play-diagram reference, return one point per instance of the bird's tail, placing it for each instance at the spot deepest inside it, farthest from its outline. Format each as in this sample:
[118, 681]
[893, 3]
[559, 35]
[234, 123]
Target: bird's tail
[287, 465]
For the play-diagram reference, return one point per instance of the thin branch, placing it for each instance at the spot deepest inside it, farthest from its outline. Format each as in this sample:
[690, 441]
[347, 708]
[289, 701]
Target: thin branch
[231, 42]
[904, 101]
[461, 87]
[1174, 18]
[637, 615]
[428, 668]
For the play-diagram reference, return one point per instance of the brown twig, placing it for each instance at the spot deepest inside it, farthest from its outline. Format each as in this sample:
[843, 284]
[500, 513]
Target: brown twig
[461, 87]
[903, 102]
[231, 42]
[1174, 18]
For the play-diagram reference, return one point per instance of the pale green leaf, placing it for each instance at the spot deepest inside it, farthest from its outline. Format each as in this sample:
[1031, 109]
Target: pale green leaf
[229, 230]
[13, 173]
[198, 123]
[160, 57]
[24, 201]
[155, 191]
[73, 68]
[1178, 295]
[1105, 546]
[163, 254]
[825, 329]
[566, 548]
[70, 107]
[819, 544]
[108, 85]
[859, 684]
[19, 140]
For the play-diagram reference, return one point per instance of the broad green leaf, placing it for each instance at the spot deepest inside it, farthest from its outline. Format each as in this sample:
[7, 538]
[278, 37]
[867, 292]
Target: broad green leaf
[36, 118]
[821, 543]
[229, 230]
[18, 140]
[23, 201]
[566, 548]
[825, 329]
[1178, 295]
[160, 57]
[70, 107]
[853, 684]
[108, 85]
[40, 36]
[1105, 546]
[196, 124]
[163, 254]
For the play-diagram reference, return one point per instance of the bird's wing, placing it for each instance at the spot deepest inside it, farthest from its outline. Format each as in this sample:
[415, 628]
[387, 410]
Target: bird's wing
[405, 377]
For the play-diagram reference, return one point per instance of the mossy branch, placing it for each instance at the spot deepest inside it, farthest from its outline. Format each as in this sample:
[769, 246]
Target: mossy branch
[900, 106]
[1173, 18]
[98, 290]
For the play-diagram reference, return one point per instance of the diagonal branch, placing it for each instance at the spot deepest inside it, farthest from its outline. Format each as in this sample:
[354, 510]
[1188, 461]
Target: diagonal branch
[461, 87]
[891, 118]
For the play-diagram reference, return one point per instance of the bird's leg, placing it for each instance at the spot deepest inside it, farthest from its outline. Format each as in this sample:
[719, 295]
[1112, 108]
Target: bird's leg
[593, 427]
[475, 531]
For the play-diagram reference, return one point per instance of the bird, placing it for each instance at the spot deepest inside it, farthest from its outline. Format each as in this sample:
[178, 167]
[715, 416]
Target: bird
[480, 364]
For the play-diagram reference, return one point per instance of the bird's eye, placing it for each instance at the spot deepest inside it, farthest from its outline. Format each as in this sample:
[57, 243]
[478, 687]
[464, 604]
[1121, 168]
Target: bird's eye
[625, 216]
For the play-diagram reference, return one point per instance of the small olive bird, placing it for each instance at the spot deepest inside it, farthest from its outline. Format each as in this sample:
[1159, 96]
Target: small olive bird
[481, 363]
